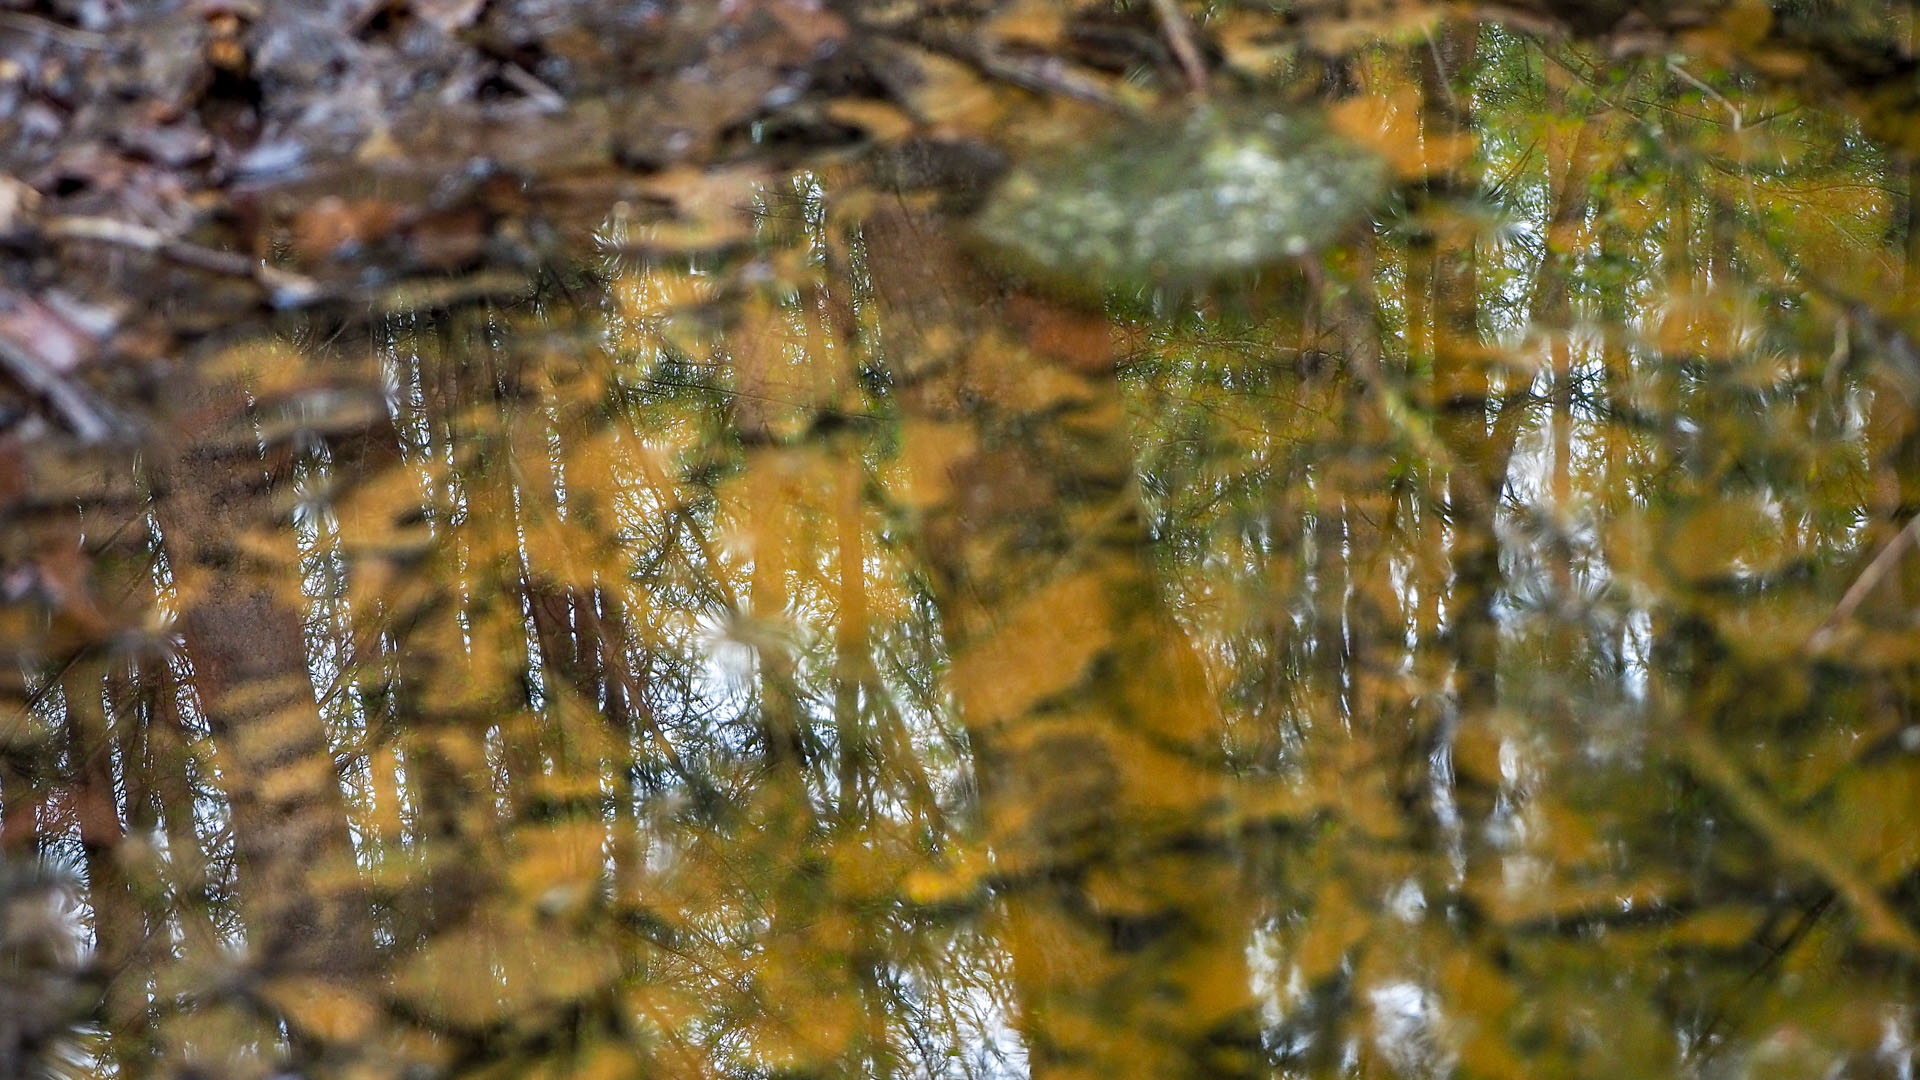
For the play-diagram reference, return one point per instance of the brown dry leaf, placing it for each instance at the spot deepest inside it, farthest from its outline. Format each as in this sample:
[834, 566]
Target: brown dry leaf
[712, 208]
[383, 817]
[927, 885]
[1739, 27]
[276, 737]
[19, 203]
[380, 147]
[929, 452]
[16, 473]
[454, 977]
[1783, 65]
[1389, 125]
[1722, 927]
[810, 25]
[606, 1061]
[882, 122]
[291, 785]
[332, 226]
[1871, 822]
[1721, 537]
[1008, 376]
[564, 858]
[1250, 44]
[1037, 24]
[479, 976]
[323, 1009]
[1549, 901]
[1698, 322]
[1276, 801]
[1041, 649]
[1476, 753]
[1072, 337]
[1337, 923]
[66, 577]
[447, 15]
[1571, 836]
[650, 296]
[1480, 994]
[952, 98]
[1365, 22]
[1746, 22]
[449, 240]
[34, 329]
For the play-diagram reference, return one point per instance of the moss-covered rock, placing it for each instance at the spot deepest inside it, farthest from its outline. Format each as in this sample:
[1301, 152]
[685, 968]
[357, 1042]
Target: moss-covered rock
[1212, 197]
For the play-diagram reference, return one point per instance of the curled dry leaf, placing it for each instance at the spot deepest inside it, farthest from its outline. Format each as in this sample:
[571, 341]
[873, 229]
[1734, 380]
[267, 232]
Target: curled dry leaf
[332, 226]
[448, 15]
[19, 202]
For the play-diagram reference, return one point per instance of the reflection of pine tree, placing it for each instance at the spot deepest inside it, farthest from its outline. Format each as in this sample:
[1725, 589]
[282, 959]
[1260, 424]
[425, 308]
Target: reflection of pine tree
[45, 995]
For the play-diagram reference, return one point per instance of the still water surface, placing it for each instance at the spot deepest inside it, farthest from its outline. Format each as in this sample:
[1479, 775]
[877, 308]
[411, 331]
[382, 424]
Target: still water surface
[1367, 593]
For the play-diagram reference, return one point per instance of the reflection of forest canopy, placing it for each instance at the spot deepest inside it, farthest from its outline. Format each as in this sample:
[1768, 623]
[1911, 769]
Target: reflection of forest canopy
[527, 555]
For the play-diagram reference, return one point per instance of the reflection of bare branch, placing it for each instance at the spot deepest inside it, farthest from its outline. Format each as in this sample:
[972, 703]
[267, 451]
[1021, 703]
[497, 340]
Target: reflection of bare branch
[285, 287]
[1048, 75]
[1357, 322]
[1708, 1043]
[1733, 111]
[1173, 23]
[1709, 763]
[1862, 586]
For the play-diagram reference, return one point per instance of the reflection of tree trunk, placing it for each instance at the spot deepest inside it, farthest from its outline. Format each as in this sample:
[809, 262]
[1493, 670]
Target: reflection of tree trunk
[1476, 432]
[1893, 433]
[244, 634]
[628, 712]
[118, 924]
[1096, 746]
[447, 675]
[170, 754]
[1330, 574]
[852, 657]
[1568, 170]
[1462, 391]
[19, 798]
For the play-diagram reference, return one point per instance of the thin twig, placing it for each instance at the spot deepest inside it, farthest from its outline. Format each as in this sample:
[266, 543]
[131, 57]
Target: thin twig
[1173, 23]
[286, 288]
[1879, 922]
[544, 97]
[73, 405]
[1857, 593]
[1739, 121]
[53, 31]
[1048, 75]
[1706, 1044]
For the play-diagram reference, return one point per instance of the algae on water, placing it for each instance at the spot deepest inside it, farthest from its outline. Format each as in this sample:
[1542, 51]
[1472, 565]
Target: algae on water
[1217, 195]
